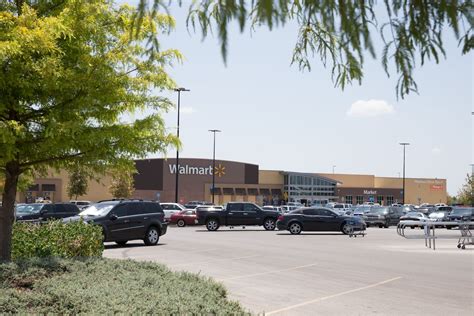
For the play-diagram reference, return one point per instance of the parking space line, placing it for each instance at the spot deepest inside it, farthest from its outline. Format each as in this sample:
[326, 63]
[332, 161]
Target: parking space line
[331, 296]
[192, 251]
[211, 261]
[264, 273]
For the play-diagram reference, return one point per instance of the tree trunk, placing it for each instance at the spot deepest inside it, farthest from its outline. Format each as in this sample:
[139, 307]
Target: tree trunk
[12, 172]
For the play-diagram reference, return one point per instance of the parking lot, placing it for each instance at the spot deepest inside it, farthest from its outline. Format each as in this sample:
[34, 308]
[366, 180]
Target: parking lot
[321, 273]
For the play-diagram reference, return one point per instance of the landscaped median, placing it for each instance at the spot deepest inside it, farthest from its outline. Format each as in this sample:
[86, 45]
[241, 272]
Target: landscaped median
[104, 286]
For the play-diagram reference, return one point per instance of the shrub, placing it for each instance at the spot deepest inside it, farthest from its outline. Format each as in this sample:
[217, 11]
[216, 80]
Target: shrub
[56, 239]
[108, 286]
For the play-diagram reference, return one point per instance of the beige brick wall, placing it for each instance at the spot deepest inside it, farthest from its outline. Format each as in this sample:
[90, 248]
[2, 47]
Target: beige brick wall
[270, 177]
[352, 180]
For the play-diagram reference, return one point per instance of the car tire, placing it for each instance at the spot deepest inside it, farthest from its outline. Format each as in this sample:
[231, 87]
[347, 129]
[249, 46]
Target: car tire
[181, 223]
[152, 236]
[380, 226]
[387, 225]
[295, 228]
[212, 224]
[269, 224]
[346, 228]
[121, 242]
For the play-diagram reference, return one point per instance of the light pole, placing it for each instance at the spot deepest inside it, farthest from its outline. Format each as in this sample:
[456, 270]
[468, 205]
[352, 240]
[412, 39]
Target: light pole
[333, 167]
[214, 131]
[403, 192]
[179, 90]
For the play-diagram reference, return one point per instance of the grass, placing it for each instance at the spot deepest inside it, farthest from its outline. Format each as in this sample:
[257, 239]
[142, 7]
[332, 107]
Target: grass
[99, 286]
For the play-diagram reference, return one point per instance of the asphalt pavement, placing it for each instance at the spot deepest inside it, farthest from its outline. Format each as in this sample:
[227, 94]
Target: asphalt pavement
[322, 273]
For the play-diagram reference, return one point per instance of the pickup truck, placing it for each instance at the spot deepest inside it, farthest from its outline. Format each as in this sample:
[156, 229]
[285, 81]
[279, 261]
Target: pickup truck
[237, 214]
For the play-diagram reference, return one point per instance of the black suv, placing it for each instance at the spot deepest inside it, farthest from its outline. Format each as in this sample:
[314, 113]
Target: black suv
[124, 220]
[38, 212]
[383, 216]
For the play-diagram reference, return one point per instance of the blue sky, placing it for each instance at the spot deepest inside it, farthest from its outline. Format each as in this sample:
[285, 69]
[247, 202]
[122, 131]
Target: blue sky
[273, 115]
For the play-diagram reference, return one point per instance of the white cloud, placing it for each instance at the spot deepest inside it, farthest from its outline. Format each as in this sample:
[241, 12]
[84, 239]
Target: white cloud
[370, 108]
[185, 110]
[436, 150]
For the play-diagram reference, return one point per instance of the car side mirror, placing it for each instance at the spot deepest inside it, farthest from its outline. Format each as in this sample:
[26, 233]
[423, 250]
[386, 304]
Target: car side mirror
[113, 217]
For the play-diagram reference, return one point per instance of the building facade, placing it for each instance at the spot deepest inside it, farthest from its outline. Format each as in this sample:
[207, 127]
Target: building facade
[238, 181]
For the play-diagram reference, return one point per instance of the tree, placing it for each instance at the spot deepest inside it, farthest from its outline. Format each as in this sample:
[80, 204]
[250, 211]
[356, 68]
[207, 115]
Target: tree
[122, 186]
[466, 193]
[452, 199]
[340, 32]
[69, 72]
[77, 185]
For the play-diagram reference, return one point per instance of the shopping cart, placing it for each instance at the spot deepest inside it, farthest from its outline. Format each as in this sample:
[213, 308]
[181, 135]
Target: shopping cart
[466, 236]
[354, 233]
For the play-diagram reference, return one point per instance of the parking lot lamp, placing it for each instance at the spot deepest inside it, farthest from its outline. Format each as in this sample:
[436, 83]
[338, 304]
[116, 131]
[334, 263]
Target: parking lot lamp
[179, 90]
[403, 190]
[214, 131]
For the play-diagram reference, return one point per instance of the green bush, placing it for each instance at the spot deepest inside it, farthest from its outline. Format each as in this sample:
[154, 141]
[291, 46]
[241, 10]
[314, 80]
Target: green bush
[56, 239]
[108, 286]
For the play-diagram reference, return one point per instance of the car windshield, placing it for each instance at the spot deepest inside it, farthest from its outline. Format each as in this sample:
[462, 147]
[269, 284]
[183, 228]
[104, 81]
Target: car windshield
[379, 210]
[362, 209]
[461, 211]
[436, 214]
[415, 214]
[98, 209]
[29, 208]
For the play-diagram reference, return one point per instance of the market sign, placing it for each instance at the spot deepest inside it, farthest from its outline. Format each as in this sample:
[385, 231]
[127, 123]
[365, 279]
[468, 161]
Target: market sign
[436, 187]
[370, 192]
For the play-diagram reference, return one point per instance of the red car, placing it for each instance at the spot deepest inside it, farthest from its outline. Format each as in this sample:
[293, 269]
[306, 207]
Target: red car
[184, 218]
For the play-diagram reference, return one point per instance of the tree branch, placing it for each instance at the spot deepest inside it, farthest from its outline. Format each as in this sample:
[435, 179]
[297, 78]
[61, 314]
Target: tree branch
[51, 159]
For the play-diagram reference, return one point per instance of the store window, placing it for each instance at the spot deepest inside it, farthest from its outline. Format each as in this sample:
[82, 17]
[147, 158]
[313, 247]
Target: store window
[380, 199]
[348, 199]
[389, 199]
[360, 199]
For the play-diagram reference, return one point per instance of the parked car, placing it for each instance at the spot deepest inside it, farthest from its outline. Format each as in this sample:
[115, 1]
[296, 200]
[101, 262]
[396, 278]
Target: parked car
[81, 204]
[237, 214]
[297, 204]
[444, 208]
[414, 216]
[439, 216]
[319, 219]
[407, 209]
[38, 212]
[289, 208]
[342, 209]
[126, 220]
[194, 204]
[427, 209]
[183, 218]
[383, 216]
[461, 214]
[171, 208]
[361, 210]
[272, 208]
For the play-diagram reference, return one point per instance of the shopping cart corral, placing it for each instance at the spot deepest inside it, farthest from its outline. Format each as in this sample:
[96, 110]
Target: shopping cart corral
[430, 236]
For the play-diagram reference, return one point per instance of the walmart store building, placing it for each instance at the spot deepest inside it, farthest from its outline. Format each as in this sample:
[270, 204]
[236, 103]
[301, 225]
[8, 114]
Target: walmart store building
[239, 181]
